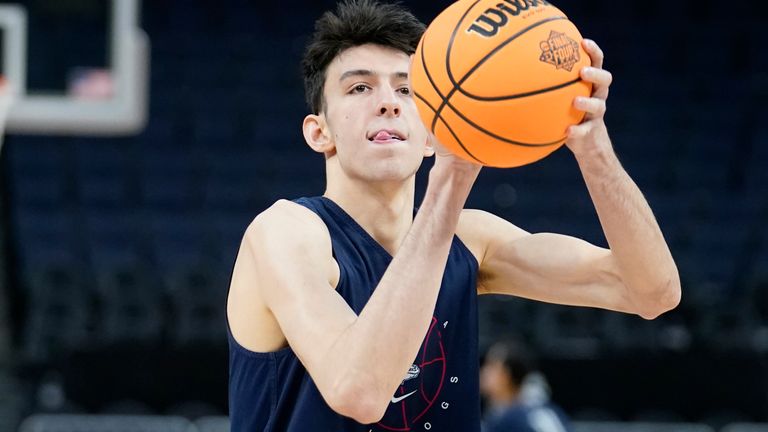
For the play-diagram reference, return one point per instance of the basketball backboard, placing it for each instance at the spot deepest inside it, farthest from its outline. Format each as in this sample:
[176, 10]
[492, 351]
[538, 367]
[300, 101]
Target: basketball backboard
[115, 102]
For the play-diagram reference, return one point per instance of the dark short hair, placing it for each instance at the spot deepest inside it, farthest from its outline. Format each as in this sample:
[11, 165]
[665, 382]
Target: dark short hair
[355, 22]
[516, 358]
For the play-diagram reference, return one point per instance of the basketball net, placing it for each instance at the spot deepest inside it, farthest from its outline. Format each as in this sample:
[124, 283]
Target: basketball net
[6, 98]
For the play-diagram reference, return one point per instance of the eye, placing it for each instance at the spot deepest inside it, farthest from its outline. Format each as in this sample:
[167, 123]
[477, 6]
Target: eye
[405, 91]
[360, 88]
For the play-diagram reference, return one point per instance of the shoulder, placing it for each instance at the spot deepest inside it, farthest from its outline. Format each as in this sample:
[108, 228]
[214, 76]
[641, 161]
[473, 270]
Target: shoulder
[479, 230]
[558, 411]
[287, 223]
[513, 418]
[469, 230]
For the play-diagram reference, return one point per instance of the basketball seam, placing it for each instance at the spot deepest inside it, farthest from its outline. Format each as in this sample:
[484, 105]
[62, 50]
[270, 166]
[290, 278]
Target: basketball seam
[453, 134]
[437, 90]
[447, 66]
[518, 95]
[498, 137]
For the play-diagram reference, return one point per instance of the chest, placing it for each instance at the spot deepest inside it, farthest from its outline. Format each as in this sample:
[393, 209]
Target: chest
[360, 272]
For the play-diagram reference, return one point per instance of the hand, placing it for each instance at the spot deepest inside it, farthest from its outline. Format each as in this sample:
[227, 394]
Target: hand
[443, 157]
[591, 134]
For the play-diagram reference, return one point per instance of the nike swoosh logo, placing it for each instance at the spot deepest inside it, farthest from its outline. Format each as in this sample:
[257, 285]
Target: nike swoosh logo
[398, 399]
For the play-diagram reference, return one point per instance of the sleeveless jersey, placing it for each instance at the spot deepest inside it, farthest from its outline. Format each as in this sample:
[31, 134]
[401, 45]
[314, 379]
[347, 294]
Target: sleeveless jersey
[272, 391]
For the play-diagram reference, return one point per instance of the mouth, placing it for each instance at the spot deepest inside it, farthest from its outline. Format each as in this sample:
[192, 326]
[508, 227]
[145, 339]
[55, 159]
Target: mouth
[385, 135]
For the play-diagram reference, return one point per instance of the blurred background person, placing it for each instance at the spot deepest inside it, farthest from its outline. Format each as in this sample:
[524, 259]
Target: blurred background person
[517, 395]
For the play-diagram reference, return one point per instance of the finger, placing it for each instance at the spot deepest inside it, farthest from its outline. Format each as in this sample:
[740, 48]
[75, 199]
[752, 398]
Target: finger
[600, 92]
[431, 139]
[592, 106]
[594, 51]
[599, 77]
[576, 132]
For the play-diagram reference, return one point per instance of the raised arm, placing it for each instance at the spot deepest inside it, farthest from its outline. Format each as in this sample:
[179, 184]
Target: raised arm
[356, 361]
[636, 275]
[641, 254]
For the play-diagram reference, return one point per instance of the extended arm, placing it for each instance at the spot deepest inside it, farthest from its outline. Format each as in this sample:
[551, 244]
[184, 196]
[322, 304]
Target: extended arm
[641, 254]
[636, 275]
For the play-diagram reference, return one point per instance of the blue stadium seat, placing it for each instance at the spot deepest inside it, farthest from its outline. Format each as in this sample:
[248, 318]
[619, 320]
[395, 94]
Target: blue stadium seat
[43, 237]
[35, 153]
[113, 238]
[41, 189]
[170, 190]
[759, 268]
[501, 316]
[569, 332]
[228, 230]
[103, 157]
[130, 306]
[179, 239]
[727, 328]
[112, 190]
[226, 193]
[715, 250]
[58, 313]
[757, 175]
[161, 129]
[198, 300]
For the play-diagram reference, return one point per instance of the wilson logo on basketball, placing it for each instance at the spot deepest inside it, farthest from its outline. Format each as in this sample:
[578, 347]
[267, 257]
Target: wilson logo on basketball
[559, 50]
[489, 23]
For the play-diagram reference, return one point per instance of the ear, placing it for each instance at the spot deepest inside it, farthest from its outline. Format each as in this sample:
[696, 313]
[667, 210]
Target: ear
[316, 133]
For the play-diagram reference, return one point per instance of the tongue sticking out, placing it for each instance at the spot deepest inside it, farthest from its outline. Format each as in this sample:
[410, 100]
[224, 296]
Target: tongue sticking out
[383, 136]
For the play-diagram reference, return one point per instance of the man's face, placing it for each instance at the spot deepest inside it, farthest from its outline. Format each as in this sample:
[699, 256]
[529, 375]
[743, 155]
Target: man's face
[371, 116]
[494, 379]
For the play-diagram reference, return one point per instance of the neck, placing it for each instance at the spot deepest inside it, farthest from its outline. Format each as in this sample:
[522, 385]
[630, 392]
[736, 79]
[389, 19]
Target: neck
[383, 209]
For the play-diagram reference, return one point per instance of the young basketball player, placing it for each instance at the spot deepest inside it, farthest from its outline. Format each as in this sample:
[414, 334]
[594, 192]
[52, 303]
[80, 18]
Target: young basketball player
[352, 312]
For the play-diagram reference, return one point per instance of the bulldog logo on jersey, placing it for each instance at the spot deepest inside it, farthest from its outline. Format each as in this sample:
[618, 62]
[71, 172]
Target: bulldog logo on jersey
[413, 372]
[559, 50]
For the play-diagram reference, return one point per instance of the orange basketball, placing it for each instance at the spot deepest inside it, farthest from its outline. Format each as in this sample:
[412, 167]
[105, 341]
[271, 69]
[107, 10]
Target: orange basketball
[495, 80]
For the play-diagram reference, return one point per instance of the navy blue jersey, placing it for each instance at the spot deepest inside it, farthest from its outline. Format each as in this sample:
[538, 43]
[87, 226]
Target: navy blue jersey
[440, 392]
[522, 417]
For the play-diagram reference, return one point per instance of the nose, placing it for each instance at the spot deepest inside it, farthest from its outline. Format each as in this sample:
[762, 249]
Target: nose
[389, 107]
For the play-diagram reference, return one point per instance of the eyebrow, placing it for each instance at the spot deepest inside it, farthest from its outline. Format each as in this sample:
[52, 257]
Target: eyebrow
[367, 73]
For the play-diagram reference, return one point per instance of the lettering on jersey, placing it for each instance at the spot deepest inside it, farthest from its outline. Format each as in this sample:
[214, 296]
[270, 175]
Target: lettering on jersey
[559, 50]
[427, 426]
[444, 405]
[493, 19]
[454, 380]
[445, 324]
